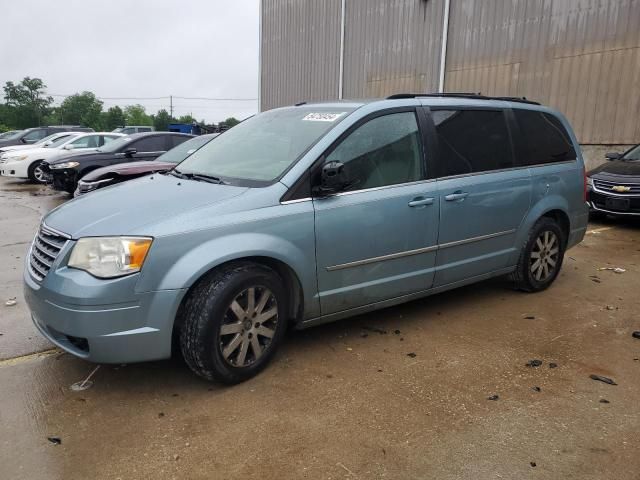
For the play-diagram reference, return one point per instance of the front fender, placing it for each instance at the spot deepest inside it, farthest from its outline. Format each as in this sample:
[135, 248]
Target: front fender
[196, 262]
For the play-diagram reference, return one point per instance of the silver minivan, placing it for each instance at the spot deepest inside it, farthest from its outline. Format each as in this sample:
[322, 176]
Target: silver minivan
[305, 215]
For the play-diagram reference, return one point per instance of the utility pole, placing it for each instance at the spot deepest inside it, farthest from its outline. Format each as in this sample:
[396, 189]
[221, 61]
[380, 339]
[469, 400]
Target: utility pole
[171, 107]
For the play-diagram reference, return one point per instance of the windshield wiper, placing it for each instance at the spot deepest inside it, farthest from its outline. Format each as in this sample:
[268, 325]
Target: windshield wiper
[201, 177]
[176, 173]
[205, 178]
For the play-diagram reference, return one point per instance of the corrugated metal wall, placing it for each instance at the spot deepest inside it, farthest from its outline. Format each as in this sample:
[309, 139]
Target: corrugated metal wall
[300, 51]
[580, 56]
[391, 46]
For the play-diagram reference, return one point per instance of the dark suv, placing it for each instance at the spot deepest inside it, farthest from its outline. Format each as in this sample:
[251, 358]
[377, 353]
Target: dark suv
[65, 172]
[32, 135]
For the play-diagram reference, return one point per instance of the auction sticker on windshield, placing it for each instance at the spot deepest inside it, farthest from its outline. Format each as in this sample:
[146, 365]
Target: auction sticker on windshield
[323, 117]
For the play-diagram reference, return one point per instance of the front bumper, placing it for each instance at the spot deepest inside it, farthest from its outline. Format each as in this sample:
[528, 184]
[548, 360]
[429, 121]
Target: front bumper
[103, 321]
[64, 179]
[13, 169]
[613, 204]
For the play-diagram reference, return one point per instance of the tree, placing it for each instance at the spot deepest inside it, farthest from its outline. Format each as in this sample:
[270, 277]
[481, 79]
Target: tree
[161, 120]
[82, 109]
[27, 102]
[136, 115]
[187, 119]
[231, 122]
[113, 118]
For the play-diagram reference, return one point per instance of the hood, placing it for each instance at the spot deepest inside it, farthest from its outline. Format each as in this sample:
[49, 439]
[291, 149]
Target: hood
[80, 156]
[123, 208]
[13, 148]
[617, 168]
[29, 151]
[129, 168]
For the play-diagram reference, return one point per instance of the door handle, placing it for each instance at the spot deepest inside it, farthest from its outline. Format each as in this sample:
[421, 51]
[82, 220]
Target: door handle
[421, 201]
[456, 196]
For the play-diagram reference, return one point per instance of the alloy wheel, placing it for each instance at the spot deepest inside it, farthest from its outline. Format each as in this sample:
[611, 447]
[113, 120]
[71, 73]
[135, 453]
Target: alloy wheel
[38, 173]
[249, 324]
[544, 256]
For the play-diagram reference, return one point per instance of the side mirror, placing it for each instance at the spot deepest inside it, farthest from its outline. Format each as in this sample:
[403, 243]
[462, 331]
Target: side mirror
[333, 178]
[130, 152]
[68, 147]
[613, 156]
[23, 140]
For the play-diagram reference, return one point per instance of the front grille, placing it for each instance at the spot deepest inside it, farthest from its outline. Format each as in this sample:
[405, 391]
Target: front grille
[45, 248]
[608, 186]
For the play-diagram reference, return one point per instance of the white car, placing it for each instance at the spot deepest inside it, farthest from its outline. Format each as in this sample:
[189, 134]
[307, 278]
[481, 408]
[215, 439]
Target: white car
[45, 142]
[27, 163]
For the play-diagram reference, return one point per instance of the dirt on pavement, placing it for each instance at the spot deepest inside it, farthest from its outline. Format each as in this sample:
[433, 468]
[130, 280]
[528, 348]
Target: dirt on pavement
[402, 393]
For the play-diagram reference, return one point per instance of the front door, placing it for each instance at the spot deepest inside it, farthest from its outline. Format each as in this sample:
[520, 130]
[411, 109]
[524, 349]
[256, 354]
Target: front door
[377, 239]
[483, 198]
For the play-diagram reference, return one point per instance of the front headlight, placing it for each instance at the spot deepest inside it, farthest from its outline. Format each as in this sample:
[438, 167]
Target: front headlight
[589, 182]
[57, 166]
[14, 159]
[109, 257]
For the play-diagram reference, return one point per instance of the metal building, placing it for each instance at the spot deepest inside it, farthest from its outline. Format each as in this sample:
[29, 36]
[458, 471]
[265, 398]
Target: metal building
[579, 56]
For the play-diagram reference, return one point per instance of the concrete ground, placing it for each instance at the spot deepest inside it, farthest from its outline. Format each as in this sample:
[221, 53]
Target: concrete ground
[401, 393]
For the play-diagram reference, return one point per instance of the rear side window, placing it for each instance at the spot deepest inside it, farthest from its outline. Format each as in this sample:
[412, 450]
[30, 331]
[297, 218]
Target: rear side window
[175, 140]
[155, 143]
[471, 141]
[544, 138]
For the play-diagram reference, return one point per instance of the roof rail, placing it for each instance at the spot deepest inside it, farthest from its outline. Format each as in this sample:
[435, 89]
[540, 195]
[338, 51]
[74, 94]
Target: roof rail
[476, 96]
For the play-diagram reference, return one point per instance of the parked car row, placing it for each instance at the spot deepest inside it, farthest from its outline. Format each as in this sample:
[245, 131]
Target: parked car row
[78, 163]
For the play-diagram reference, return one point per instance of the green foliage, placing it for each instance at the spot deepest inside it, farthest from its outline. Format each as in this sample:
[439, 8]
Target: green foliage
[26, 103]
[113, 118]
[82, 109]
[161, 120]
[186, 119]
[136, 115]
[4, 128]
[231, 122]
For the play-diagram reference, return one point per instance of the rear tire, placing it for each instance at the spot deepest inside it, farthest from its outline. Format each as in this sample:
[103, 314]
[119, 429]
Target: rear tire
[234, 320]
[35, 172]
[541, 257]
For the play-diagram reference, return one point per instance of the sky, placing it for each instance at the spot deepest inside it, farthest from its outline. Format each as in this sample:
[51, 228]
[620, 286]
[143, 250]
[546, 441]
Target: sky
[138, 48]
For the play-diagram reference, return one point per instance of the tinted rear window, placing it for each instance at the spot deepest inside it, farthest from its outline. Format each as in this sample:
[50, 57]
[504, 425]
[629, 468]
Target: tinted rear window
[471, 141]
[544, 138]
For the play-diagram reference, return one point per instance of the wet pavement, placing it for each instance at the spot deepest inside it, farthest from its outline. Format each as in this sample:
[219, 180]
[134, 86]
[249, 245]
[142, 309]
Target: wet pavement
[400, 393]
[22, 205]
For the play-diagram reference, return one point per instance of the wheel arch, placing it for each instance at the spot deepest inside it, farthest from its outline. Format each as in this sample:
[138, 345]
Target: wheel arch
[292, 285]
[552, 206]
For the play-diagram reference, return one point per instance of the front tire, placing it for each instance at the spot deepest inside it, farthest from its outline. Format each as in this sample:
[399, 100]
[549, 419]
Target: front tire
[541, 257]
[36, 173]
[233, 322]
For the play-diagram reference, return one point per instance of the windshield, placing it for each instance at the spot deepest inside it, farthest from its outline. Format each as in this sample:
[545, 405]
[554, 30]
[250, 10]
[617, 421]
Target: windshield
[633, 154]
[11, 136]
[115, 145]
[182, 151]
[46, 139]
[263, 147]
[59, 141]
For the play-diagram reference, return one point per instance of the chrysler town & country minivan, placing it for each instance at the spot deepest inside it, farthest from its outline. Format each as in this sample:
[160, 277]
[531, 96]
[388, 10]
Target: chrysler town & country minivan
[304, 215]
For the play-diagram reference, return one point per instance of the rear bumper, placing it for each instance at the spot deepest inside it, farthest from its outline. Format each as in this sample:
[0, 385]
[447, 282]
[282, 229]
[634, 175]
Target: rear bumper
[136, 330]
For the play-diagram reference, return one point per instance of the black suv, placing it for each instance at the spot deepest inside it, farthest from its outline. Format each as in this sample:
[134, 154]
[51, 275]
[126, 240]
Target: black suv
[65, 172]
[32, 135]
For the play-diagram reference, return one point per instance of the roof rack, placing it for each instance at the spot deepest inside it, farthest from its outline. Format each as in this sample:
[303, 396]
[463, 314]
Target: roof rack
[470, 95]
